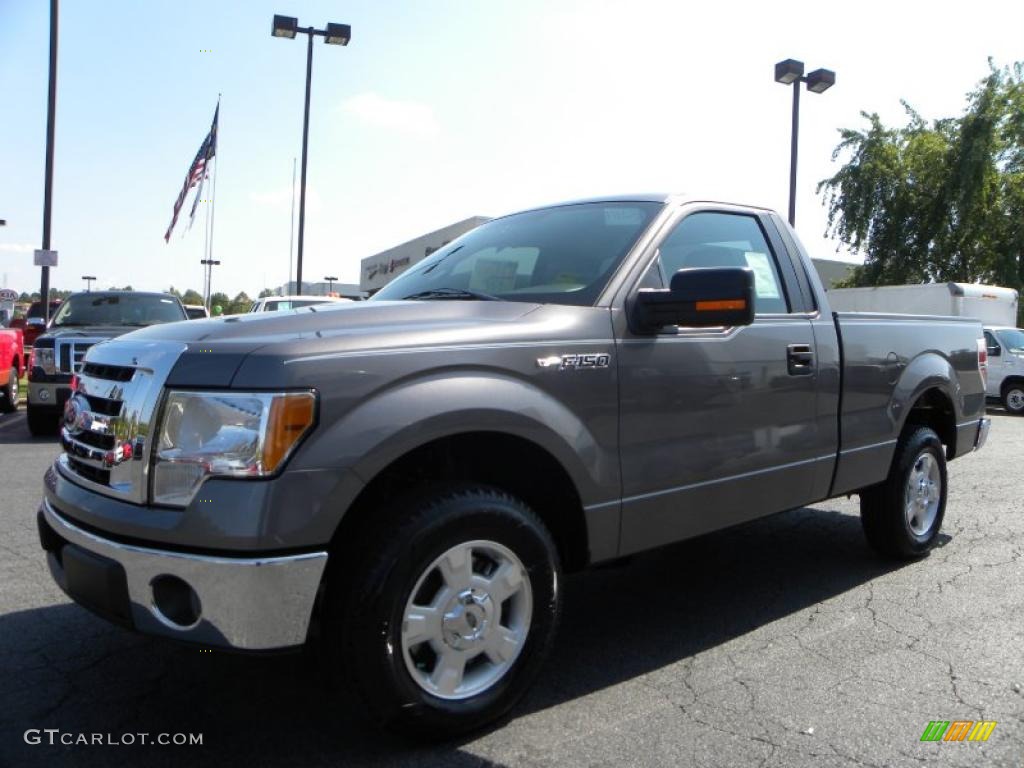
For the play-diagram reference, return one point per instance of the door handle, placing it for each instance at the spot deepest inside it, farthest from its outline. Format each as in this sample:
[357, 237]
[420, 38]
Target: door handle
[800, 359]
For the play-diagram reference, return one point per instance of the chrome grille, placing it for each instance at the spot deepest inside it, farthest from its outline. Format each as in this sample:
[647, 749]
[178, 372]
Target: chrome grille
[108, 418]
[69, 353]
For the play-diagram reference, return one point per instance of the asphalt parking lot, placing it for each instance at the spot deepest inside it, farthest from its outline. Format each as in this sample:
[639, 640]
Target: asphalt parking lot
[781, 643]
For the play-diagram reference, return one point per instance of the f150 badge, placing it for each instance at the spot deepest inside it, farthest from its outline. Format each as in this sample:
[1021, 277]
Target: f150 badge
[575, 362]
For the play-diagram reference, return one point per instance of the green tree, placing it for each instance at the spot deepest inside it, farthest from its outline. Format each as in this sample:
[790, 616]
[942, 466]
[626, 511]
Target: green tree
[267, 292]
[936, 201]
[220, 299]
[191, 297]
[238, 305]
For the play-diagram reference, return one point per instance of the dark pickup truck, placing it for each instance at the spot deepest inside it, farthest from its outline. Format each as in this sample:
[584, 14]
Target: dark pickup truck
[79, 322]
[412, 475]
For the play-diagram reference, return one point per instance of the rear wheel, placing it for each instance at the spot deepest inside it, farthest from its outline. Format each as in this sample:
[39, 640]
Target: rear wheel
[10, 392]
[446, 621]
[902, 516]
[1013, 397]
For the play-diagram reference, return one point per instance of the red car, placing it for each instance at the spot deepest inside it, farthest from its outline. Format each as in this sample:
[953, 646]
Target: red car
[12, 366]
[33, 324]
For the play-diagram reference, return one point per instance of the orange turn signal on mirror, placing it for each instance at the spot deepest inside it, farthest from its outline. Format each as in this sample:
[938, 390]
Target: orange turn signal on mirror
[291, 416]
[711, 306]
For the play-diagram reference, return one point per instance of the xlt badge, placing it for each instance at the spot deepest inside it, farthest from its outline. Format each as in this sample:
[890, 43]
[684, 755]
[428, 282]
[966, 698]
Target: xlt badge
[576, 361]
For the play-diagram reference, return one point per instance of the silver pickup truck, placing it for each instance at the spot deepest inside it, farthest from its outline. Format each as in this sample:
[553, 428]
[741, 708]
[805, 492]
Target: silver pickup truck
[412, 475]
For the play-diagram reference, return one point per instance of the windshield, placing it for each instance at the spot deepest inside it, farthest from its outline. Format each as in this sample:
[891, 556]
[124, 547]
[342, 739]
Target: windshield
[118, 309]
[562, 255]
[1013, 340]
[36, 310]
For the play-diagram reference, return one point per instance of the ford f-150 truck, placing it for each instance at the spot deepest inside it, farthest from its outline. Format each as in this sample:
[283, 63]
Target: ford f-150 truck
[408, 478]
[81, 321]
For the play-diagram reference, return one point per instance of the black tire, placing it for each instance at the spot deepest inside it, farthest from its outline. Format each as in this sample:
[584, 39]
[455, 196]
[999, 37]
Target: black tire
[9, 393]
[366, 599]
[884, 507]
[42, 422]
[1013, 397]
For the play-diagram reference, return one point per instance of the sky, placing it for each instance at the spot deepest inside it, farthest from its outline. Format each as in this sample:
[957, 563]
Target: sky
[433, 113]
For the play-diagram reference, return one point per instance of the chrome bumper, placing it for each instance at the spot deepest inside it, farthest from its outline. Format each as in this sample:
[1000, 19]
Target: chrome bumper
[244, 603]
[983, 427]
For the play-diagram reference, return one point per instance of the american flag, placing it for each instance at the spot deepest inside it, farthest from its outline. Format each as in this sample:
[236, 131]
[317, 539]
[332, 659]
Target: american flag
[196, 173]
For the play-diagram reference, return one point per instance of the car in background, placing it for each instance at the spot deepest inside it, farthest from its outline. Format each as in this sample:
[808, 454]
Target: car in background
[34, 323]
[196, 311]
[85, 319]
[12, 366]
[281, 303]
[1006, 367]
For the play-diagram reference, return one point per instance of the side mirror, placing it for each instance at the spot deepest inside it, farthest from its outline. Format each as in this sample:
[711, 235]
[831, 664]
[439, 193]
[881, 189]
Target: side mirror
[995, 351]
[698, 298]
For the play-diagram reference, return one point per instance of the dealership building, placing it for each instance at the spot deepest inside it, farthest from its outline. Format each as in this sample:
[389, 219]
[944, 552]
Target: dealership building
[380, 269]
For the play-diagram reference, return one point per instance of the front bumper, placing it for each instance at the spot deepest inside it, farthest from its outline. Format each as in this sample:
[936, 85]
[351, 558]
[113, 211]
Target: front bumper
[49, 394]
[259, 603]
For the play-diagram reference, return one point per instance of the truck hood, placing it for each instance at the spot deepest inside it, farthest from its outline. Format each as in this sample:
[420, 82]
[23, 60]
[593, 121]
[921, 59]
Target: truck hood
[87, 332]
[352, 326]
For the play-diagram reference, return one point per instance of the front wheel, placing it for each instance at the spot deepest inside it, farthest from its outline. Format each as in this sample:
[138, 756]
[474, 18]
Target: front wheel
[448, 618]
[1013, 398]
[9, 393]
[902, 516]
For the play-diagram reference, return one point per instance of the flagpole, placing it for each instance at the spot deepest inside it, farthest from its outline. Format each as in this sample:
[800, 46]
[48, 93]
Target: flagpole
[213, 203]
[291, 240]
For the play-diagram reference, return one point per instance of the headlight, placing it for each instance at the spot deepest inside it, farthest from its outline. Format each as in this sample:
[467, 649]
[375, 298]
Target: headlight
[229, 434]
[43, 357]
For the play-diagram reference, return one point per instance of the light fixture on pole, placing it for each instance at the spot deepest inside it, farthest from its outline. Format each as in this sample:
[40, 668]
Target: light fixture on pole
[335, 34]
[791, 72]
[88, 282]
[209, 264]
[330, 283]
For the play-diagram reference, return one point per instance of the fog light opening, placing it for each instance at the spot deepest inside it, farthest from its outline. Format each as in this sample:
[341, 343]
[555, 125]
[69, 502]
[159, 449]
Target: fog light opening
[175, 603]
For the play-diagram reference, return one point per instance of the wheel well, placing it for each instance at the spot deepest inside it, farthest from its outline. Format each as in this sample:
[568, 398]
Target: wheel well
[934, 409]
[513, 464]
[1008, 381]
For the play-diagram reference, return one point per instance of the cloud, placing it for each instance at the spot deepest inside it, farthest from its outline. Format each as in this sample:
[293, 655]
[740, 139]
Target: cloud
[17, 247]
[412, 118]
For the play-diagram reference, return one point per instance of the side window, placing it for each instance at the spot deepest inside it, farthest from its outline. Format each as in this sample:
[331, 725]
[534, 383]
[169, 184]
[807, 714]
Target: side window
[990, 341]
[725, 240]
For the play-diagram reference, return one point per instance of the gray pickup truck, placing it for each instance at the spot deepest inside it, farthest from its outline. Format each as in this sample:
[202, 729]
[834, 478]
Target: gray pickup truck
[408, 478]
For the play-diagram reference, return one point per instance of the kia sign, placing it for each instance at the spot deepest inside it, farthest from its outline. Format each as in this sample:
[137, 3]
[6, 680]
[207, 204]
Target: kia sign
[45, 258]
[6, 294]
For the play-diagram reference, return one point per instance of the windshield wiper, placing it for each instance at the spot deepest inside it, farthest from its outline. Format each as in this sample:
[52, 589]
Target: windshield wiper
[451, 293]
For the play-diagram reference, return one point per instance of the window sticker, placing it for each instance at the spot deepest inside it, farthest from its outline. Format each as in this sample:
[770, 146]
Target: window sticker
[765, 286]
[621, 216]
[493, 276]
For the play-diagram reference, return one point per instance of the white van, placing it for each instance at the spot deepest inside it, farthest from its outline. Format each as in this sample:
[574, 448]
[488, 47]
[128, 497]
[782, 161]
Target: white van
[993, 305]
[1006, 366]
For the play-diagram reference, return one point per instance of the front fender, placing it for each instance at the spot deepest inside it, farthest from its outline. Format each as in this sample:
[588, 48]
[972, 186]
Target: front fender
[413, 413]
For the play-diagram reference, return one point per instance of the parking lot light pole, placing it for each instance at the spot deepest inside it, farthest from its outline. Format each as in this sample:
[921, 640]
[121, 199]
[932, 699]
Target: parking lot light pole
[791, 72]
[335, 34]
[88, 282]
[330, 283]
[209, 264]
[51, 117]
